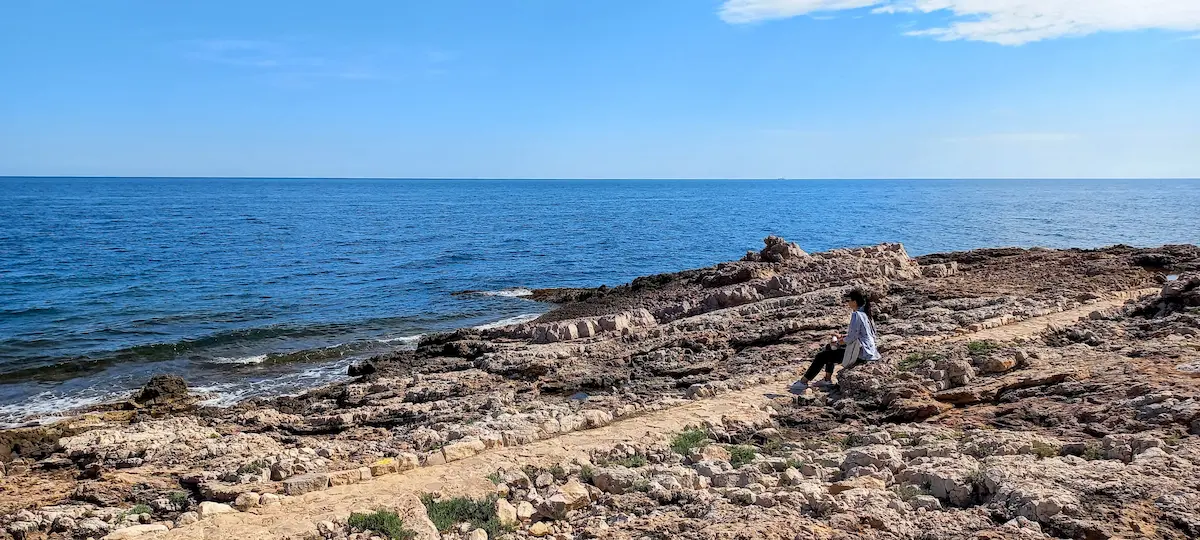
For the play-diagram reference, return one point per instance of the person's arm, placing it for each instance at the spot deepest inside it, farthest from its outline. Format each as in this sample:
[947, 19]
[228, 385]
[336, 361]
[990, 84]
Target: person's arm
[855, 332]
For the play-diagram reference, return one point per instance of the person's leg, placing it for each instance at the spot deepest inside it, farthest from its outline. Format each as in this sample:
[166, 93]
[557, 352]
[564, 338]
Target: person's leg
[817, 363]
[826, 359]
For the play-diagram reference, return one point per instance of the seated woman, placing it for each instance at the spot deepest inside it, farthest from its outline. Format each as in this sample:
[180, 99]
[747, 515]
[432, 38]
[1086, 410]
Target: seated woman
[857, 345]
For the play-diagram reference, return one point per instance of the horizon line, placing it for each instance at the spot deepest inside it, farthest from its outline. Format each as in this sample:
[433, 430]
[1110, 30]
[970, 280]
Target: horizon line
[570, 179]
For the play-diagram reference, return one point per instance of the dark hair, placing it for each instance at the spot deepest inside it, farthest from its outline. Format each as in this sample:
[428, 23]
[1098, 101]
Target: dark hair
[863, 298]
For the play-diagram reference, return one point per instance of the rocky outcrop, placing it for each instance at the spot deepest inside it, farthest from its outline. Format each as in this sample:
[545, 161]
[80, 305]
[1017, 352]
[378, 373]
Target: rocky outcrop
[949, 433]
[777, 250]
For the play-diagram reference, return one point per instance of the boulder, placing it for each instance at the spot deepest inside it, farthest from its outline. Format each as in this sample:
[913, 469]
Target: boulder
[525, 511]
[162, 390]
[506, 513]
[615, 480]
[540, 529]
[305, 484]
[208, 509]
[571, 496]
[463, 449]
[135, 531]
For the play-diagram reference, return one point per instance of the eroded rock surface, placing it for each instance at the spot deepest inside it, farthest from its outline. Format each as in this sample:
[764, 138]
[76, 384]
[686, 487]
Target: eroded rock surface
[1086, 430]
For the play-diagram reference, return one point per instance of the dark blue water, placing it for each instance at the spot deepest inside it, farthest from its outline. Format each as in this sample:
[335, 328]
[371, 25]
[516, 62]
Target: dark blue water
[259, 287]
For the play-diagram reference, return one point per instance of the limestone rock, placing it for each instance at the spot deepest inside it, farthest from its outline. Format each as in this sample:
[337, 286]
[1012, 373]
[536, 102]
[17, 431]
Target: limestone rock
[208, 509]
[135, 531]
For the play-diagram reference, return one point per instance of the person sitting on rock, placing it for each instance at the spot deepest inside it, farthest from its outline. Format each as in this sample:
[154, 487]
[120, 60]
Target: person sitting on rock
[858, 345]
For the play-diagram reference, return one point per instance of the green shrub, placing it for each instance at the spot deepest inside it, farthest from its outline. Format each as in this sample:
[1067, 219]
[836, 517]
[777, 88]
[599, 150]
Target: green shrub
[140, 509]
[741, 455]
[915, 359]
[179, 500]
[1044, 449]
[977, 478]
[794, 463]
[634, 461]
[586, 474]
[558, 472]
[687, 440]
[254, 467]
[981, 348]
[383, 522]
[481, 514]
[908, 492]
[1092, 452]
[773, 447]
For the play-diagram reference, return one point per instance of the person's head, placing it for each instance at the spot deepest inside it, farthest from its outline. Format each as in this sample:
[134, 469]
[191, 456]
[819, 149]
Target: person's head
[857, 299]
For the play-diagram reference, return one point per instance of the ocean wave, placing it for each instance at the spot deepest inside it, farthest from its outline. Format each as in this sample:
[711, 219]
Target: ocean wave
[511, 292]
[522, 318]
[403, 340]
[514, 292]
[256, 359]
[50, 406]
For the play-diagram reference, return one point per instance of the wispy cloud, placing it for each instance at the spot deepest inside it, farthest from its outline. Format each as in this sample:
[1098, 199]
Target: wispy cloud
[292, 62]
[1006, 22]
[1033, 137]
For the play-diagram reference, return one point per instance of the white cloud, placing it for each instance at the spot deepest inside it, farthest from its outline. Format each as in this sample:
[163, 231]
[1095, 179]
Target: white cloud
[1007, 22]
[744, 11]
[1018, 138]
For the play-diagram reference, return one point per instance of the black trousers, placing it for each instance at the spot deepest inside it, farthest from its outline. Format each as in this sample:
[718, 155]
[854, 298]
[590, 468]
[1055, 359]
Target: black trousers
[826, 359]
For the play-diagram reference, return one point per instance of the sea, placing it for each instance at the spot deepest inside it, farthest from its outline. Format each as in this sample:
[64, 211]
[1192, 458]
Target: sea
[266, 287]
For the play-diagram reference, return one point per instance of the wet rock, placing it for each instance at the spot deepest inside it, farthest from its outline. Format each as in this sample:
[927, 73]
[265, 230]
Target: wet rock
[162, 390]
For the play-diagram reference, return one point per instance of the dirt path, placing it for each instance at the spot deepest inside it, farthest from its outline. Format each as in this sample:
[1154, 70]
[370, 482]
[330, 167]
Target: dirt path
[298, 516]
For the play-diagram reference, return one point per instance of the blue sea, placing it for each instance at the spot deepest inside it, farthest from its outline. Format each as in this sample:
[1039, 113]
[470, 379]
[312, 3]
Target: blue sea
[258, 287]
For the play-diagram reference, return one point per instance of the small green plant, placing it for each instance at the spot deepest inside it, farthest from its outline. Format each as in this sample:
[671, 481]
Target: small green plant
[978, 478]
[481, 514]
[494, 478]
[530, 471]
[586, 474]
[687, 440]
[908, 492]
[1092, 452]
[741, 455]
[642, 485]
[254, 467]
[179, 500]
[1043, 449]
[384, 522]
[773, 447]
[633, 462]
[139, 509]
[844, 442]
[1172, 439]
[981, 348]
[915, 359]
[558, 472]
[794, 463]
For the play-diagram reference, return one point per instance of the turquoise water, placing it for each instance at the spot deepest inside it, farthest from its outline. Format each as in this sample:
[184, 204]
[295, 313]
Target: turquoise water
[264, 286]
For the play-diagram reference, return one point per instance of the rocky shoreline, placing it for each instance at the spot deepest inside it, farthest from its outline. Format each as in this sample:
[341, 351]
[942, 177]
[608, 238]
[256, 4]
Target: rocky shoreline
[1089, 429]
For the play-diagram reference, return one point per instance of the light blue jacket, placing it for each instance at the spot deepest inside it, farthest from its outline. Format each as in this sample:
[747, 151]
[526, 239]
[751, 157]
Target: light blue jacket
[862, 331]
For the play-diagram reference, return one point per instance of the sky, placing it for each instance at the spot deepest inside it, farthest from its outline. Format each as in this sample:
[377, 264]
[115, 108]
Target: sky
[601, 88]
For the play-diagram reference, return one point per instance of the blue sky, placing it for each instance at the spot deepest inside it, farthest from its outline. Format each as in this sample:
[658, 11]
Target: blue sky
[601, 88]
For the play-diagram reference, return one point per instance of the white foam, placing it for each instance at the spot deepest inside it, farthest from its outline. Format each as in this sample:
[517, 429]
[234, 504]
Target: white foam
[514, 292]
[405, 340]
[49, 406]
[256, 359]
[522, 318]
